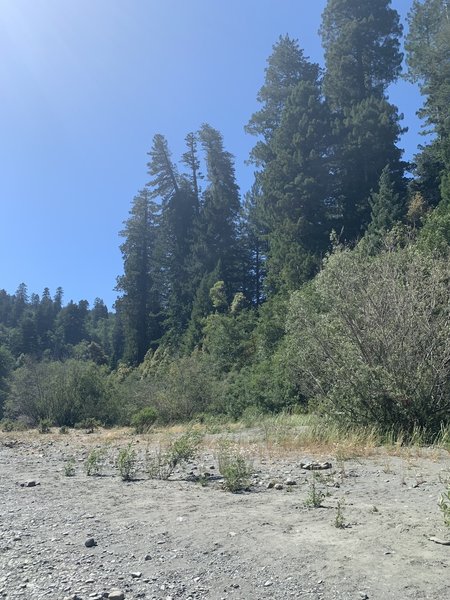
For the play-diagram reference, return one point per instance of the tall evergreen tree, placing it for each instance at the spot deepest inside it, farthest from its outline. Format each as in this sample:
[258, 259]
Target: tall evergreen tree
[286, 67]
[361, 40]
[217, 240]
[295, 130]
[179, 211]
[387, 209]
[140, 300]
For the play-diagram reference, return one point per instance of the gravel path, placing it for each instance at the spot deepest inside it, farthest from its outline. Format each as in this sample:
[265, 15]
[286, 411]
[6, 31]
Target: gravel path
[178, 540]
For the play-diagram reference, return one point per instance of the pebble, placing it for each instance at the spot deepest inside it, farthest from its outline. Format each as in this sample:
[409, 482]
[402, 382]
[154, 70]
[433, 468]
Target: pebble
[116, 595]
[90, 542]
[136, 574]
[278, 486]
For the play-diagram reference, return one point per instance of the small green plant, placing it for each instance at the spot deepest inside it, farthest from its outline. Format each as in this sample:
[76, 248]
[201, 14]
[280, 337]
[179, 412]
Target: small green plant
[444, 505]
[126, 463]
[234, 469]
[44, 426]
[69, 468]
[95, 461]
[339, 521]
[315, 494]
[143, 420]
[162, 463]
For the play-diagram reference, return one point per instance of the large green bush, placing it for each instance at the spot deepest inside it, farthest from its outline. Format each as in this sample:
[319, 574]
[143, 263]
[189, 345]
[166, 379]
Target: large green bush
[369, 339]
[64, 392]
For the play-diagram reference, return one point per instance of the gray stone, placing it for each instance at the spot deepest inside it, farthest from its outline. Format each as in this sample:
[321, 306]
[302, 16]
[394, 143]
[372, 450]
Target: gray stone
[116, 595]
[90, 542]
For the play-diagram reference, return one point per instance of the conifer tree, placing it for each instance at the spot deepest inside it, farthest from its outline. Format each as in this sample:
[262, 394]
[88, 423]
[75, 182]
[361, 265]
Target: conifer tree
[217, 240]
[387, 208]
[140, 300]
[361, 40]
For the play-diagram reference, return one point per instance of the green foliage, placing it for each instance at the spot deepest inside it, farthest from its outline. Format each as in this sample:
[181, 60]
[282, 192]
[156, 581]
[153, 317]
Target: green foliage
[362, 49]
[369, 340]
[387, 210]
[143, 420]
[162, 463]
[65, 392]
[140, 303]
[444, 505]
[234, 469]
[127, 463]
[339, 520]
[315, 493]
[45, 425]
[69, 468]
[95, 462]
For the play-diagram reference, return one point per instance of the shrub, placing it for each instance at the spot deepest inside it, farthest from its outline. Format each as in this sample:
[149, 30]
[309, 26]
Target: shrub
[143, 420]
[44, 426]
[444, 505]
[95, 461]
[315, 494]
[66, 392]
[163, 462]
[126, 463]
[69, 468]
[369, 340]
[234, 469]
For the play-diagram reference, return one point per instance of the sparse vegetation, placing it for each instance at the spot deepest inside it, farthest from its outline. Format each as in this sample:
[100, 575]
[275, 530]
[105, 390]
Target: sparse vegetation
[127, 463]
[95, 462]
[444, 505]
[339, 521]
[160, 464]
[234, 468]
[69, 467]
[45, 426]
[315, 493]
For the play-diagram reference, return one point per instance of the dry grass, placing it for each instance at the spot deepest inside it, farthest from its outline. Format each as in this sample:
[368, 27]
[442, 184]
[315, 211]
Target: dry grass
[266, 436]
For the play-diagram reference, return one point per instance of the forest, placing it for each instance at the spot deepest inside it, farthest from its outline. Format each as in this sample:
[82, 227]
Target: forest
[324, 288]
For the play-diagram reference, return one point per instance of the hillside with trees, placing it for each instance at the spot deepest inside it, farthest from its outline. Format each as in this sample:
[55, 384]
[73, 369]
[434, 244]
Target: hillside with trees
[325, 287]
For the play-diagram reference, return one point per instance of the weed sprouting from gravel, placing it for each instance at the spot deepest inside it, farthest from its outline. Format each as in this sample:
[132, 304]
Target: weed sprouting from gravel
[315, 493]
[95, 461]
[339, 521]
[444, 505]
[69, 468]
[162, 463]
[234, 469]
[126, 463]
[44, 426]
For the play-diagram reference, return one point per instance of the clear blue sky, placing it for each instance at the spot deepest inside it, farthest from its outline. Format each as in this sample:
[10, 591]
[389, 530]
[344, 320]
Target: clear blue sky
[84, 86]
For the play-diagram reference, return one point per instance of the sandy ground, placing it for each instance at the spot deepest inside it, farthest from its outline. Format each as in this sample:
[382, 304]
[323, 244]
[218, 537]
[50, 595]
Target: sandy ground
[178, 540]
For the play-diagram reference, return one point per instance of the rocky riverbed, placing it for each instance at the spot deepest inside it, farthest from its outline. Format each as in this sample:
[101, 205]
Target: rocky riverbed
[96, 537]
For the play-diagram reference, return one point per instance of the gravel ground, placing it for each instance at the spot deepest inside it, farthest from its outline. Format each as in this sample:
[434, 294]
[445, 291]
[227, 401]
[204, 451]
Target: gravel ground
[178, 540]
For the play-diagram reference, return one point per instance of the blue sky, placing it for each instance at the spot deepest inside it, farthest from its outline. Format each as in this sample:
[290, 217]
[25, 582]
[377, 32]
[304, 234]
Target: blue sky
[84, 86]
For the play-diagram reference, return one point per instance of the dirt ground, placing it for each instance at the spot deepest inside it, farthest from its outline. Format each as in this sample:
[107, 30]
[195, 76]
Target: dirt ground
[179, 540]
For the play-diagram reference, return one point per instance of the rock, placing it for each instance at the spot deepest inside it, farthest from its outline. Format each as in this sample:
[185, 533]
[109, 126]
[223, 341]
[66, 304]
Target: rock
[29, 483]
[136, 574]
[316, 466]
[268, 583]
[90, 542]
[147, 557]
[278, 486]
[363, 596]
[290, 482]
[116, 595]
[439, 541]
[270, 485]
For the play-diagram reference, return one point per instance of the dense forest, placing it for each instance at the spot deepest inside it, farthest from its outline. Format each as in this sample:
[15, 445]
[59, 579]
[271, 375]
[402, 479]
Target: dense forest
[325, 287]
